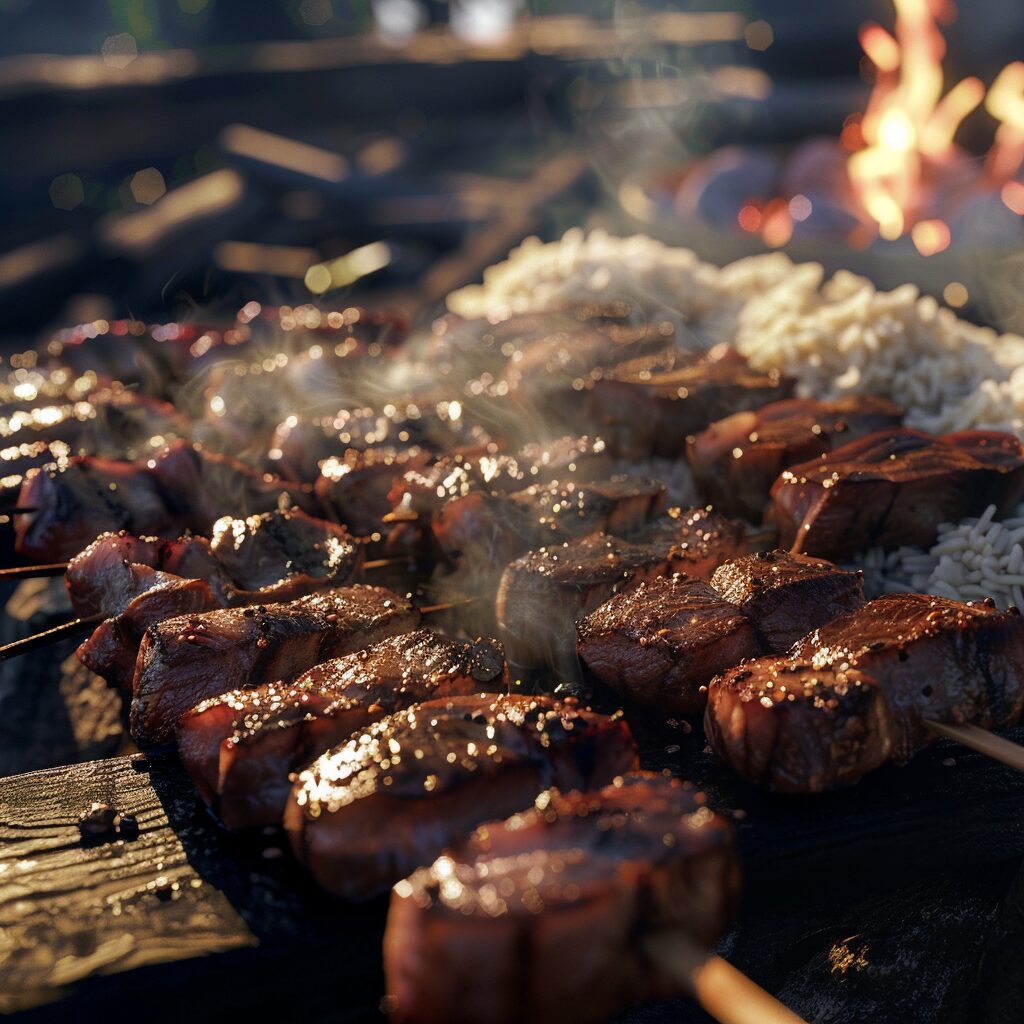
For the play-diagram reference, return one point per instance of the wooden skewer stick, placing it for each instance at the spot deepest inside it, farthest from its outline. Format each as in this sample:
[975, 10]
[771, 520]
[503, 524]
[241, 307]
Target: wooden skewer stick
[984, 742]
[430, 609]
[726, 993]
[18, 510]
[380, 563]
[25, 572]
[50, 636]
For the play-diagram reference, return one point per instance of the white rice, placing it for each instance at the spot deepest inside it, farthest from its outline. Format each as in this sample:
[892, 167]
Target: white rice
[836, 336]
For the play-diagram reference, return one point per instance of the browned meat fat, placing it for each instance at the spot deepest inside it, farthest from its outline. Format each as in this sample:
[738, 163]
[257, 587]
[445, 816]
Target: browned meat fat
[860, 690]
[239, 747]
[543, 917]
[894, 487]
[644, 410]
[736, 460]
[186, 659]
[662, 642]
[369, 812]
[786, 596]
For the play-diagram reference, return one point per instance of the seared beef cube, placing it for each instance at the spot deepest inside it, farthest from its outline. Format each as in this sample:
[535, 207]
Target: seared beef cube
[661, 642]
[433, 773]
[239, 747]
[643, 412]
[893, 488]
[186, 659]
[482, 934]
[786, 596]
[863, 688]
[544, 593]
[105, 576]
[736, 460]
[793, 728]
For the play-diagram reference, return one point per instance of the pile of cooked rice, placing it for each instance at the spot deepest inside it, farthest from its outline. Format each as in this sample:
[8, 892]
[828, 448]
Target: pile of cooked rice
[837, 336]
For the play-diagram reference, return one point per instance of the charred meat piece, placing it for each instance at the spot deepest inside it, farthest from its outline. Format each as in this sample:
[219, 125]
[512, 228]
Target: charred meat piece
[894, 487]
[786, 596]
[736, 460]
[642, 411]
[860, 691]
[436, 771]
[544, 593]
[662, 642]
[105, 576]
[188, 658]
[498, 527]
[239, 747]
[482, 933]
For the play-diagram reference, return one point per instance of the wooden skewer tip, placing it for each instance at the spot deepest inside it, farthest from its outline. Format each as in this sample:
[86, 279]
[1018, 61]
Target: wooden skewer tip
[983, 741]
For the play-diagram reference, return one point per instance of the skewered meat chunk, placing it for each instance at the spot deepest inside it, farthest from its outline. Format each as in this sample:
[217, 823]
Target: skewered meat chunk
[861, 690]
[498, 527]
[545, 592]
[277, 556]
[641, 410]
[736, 460]
[436, 771]
[182, 488]
[188, 658]
[239, 747]
[895, 487]
[661, 643]
[483, 933]
[786, 596]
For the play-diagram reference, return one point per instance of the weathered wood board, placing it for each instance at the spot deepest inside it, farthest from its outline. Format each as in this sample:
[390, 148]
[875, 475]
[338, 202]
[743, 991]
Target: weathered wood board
[893, 894]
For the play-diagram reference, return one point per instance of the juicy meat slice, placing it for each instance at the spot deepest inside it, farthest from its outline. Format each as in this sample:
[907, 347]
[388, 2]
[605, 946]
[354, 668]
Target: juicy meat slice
[736, 460]
[105, 576]
[239, 747]
[861, 689]
[642, 411]
[786, 596]
[662, 642]
[112, 649]
[482, 933]
[498, 527]
[895, 487]
[188, 658]
[481, 756]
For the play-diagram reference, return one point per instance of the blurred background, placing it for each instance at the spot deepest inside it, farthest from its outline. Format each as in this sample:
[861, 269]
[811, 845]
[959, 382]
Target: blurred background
[166, 158]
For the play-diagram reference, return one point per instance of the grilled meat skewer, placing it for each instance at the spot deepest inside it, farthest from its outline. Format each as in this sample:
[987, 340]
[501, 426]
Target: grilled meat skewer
[895, 487]
[482, 933]
[182, 488]
[544, 593]
[661, 643]
[736, 460]
[185, 659]
[862, 689]
[436, 771]
[239, 747]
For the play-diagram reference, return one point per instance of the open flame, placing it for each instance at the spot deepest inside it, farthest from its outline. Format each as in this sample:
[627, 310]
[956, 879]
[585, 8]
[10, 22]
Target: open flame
[907, 130]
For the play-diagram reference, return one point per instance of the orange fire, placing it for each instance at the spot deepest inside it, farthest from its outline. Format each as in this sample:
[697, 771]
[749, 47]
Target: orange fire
[907, 130]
